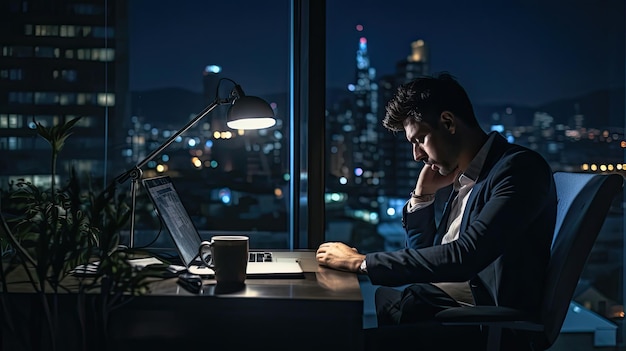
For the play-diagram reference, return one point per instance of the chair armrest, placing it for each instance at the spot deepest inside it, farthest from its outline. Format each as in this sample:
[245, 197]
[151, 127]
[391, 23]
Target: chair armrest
[503, 317]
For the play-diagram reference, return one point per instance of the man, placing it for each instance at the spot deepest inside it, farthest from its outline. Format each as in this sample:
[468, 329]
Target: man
[489, 244]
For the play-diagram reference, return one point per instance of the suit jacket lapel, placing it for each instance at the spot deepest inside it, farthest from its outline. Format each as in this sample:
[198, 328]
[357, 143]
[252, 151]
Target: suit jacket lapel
[443, 224]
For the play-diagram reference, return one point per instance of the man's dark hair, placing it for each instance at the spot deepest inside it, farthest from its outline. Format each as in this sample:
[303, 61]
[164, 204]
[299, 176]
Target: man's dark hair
[423, 100]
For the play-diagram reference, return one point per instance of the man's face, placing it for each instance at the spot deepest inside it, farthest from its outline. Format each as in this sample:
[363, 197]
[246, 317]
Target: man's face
[435, 147]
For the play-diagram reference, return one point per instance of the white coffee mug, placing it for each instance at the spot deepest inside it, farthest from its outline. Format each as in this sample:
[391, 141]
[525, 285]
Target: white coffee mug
[229, 258]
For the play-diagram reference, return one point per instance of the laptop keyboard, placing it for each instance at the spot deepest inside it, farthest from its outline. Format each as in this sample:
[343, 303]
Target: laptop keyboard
[260, 257]
[253, 256]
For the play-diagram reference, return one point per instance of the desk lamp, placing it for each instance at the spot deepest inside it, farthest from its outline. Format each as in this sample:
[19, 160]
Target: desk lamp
[245, 112]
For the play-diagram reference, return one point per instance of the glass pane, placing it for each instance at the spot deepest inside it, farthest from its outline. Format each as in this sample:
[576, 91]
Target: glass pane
[183, 58]
[46, 78]
[547, 75]
[137, 73]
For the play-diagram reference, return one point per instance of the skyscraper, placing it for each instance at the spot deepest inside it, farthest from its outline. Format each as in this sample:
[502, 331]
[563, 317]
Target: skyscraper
[72, 64]
[354, 152]
[400, 169]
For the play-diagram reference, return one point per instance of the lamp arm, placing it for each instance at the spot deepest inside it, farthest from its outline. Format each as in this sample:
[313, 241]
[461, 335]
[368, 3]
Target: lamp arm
[135, 172]
[128, 174]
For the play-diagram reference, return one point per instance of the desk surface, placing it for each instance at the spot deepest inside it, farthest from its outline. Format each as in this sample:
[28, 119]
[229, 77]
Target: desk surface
[318, 283]
[287, 314]
[326, 305]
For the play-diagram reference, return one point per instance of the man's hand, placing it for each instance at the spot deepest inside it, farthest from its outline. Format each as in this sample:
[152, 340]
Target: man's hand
[339, 256]
[430, 180]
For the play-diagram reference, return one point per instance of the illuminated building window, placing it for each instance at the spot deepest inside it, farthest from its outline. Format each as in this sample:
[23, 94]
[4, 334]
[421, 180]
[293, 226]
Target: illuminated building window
[104, 55]
[68, 31]
[15, 121]
[83, 54]
[85, 31]
[87, 9]
[17, 51]
[46, 98]
[103, 32]
[13, 143]
[98, 54]
[21, 97]
[68, 75]
[84, 99]
[12, 74]
[46, 30]
[46, 51]
[106, 99]
[67, 99]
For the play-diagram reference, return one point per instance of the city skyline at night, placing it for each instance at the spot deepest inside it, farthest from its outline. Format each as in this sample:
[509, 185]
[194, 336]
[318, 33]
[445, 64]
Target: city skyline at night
[526, 53]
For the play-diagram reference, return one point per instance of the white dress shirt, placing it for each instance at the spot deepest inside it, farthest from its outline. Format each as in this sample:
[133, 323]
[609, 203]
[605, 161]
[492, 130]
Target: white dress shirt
[464, 184]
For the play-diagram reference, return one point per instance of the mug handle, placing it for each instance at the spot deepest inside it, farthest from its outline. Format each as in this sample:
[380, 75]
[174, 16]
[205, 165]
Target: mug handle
[204, 251]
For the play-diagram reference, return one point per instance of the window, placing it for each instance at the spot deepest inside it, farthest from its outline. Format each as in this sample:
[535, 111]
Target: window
[564, 100]
[229, 180]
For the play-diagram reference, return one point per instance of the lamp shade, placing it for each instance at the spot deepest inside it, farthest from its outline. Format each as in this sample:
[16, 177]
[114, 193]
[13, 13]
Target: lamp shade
[250, 112]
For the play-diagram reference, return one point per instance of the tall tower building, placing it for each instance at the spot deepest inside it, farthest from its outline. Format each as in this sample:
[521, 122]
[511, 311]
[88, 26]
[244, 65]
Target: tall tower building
[365, 138]
[210, 80]
[354, 152]
[401, 171]
[60, 60]
[415, 65]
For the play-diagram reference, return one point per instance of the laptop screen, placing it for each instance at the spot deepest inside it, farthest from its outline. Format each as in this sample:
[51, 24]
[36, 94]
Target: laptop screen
[174, 216]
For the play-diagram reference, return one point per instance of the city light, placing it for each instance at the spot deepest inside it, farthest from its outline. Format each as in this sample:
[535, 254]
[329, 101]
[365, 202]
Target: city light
[196, 162]
[212, 69]
[225, 195]
[278, 192]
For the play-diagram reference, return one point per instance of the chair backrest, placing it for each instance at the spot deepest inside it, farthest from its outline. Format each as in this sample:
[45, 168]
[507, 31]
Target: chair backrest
[583, 204]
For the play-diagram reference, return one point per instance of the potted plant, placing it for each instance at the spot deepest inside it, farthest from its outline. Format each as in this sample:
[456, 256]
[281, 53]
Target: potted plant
[53, 231]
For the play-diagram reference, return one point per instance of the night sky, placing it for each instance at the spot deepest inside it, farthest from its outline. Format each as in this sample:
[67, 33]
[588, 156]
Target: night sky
[522, 52]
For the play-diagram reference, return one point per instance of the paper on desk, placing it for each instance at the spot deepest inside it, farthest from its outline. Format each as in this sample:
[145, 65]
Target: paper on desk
[142, 262]
[139, 263]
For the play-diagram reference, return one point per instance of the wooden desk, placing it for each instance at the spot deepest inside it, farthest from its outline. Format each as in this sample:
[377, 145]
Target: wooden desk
[322, 311]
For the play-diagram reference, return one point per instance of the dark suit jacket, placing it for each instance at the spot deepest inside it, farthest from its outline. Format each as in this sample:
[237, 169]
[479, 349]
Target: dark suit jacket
[505, 235]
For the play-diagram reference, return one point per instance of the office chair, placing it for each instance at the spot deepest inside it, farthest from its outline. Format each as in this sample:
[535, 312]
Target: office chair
[583, 204]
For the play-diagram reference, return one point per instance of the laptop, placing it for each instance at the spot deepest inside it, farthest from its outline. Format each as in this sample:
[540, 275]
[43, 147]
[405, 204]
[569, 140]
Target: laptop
[187, 240]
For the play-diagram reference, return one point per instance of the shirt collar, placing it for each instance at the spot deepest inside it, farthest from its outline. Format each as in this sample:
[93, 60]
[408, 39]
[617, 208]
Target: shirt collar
[476, 165]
